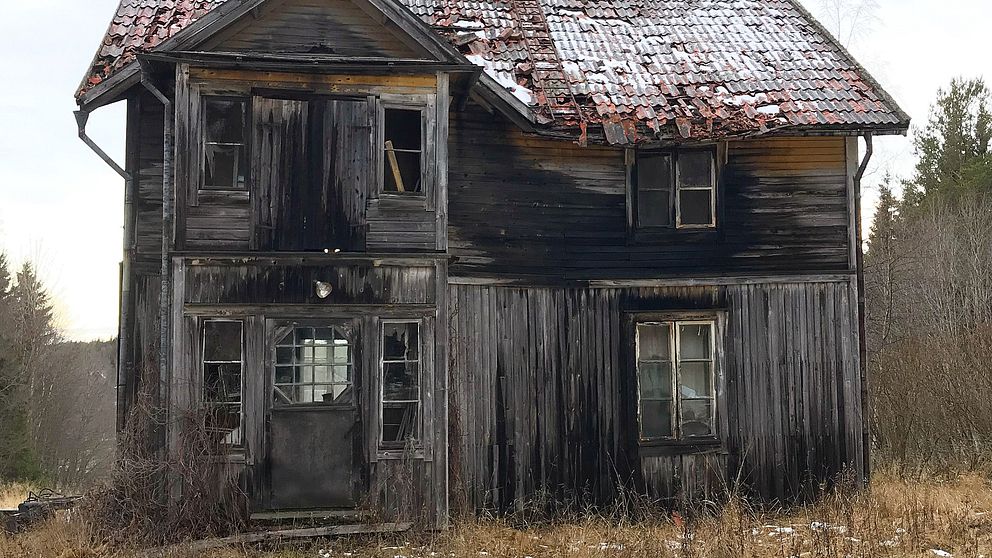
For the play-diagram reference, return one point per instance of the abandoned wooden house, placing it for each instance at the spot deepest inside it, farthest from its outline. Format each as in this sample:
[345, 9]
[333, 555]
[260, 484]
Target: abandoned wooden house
[500, 249]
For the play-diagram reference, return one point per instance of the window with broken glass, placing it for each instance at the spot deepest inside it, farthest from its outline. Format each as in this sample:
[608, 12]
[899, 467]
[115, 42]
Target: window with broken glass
[403, 132]
[223, 366]
[400, 381]
[225, 156]
[676, 188]
[676, 379]
[314, 366]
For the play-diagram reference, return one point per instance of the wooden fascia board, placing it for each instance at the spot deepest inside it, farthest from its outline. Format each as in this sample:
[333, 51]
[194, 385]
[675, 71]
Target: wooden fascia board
[111, 90]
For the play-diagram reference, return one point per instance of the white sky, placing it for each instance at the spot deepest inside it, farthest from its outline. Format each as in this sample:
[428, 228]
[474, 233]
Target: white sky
[62, 207]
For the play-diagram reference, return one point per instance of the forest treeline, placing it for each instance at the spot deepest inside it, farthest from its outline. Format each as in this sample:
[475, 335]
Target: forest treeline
[928, 284]
[56, 396]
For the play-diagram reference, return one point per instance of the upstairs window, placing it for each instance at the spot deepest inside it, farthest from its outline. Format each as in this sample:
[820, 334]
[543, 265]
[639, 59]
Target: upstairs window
[400, 381]
[223, 366]
[676, 380]
[403, 151]
[225, 157]
[676, 188]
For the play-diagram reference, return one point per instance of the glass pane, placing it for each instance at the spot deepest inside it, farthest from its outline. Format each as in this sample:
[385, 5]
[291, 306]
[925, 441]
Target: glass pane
[654, 341]
[224, 120]
[285, 375]
[407, 165]
[322, 374]
[399, 382]
[400, 341]
[695, 169]
[304, 335]
[654, 171]
[225, 421]
[654, 208]
[399, 421]
[655, 380]
[222, 383]
[341, 374]
[696, 379]
[403, 128]
[224, 166]
[284, 355]
[222, 341]
[695, 207]
[323, 335]
[697, 418]
[342, 354]
[695, 342]
[656, 419]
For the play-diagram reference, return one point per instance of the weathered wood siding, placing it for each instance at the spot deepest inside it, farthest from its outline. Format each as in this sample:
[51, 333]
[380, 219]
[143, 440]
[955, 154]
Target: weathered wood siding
[337, 27]
[528, 208]
[540, 385]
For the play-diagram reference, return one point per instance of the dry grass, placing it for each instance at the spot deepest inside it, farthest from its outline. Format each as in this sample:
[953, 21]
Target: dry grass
[13, 494]
[893, 519]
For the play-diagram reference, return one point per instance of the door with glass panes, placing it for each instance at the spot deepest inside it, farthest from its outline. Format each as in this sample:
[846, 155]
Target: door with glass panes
[313, 417]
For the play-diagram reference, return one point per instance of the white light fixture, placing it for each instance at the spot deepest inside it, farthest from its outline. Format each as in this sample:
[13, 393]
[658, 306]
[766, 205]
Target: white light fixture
[323, 289]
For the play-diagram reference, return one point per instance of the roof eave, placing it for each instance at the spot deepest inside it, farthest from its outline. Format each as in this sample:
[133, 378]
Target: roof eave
[111, 89]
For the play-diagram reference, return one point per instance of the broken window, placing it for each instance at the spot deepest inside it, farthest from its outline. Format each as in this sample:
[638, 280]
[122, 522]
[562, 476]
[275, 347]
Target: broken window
[676, 380]
[401, 359]
[313, 365]
[402, 151]
[223, 364]
[225, 158]
[676, 187]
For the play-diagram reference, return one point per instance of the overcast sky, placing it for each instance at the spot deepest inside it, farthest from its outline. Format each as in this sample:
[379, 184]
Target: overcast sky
[62, 207]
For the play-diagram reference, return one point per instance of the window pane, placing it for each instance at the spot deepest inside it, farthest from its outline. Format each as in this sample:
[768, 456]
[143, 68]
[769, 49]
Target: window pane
[655, 380]
[332, 393]
[407, 166]
[654, 341]
[222, 341]
[654, 171]
[224, 166]
[695, 207]
[697, 418]
[284, 355]
[399, 421]
[400, 382]
[222, 383]
[315, 368]
[285, 374]
[696, 379]
[695, 169]
[400, 341]
[225, 422]
[695, 342]
[224, 120]
[403, 128]
[654, 208]
[656, 419]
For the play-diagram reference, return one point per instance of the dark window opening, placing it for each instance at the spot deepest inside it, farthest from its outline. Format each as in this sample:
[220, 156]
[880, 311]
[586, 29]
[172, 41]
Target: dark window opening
[313, 365]
[676, 188]
[401, 363]
[402, 173]
[223, 364]
[225, 158]
[676, 380]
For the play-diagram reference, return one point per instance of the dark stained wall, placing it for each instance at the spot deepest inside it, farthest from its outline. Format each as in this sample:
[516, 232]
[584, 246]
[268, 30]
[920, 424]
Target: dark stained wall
[528, 208]
[540, 398]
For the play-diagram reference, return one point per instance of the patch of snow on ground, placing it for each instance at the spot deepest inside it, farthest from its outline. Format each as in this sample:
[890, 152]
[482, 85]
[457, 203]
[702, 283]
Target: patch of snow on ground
[938, 552]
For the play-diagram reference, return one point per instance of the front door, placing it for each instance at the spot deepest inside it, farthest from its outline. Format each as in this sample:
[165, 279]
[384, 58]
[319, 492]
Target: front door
[313, 420]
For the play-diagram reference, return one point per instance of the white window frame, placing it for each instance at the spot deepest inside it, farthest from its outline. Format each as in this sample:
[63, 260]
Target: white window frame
[417, 438]
[675, 198]
[203, 365]
[675, 324]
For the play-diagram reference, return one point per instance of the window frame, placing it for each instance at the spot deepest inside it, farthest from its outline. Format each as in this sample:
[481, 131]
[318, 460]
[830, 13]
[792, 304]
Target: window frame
[676, 320]
[674, 205]
[242, 422]
[417, 440]
[380, 149]
[245, 144]
[337, 327]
